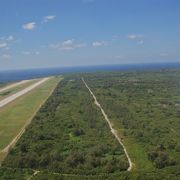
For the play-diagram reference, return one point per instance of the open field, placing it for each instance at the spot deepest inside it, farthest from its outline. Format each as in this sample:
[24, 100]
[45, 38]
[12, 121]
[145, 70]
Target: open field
[16, 115]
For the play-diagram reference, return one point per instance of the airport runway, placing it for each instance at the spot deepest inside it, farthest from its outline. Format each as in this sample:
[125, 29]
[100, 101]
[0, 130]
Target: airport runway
[22, 92]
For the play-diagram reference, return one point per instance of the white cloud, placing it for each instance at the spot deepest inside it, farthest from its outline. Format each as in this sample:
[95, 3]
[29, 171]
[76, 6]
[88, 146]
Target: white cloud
[10, 38]
[3, 45]
[141, 42]
[135, 36]
[6, 56]
[29, 26]
[99, 43]
[26, 52]
[67, 45]
[68, 42]
[48, 18]
[32, 25]
[37, 53]
[5, 42]
[81, 45]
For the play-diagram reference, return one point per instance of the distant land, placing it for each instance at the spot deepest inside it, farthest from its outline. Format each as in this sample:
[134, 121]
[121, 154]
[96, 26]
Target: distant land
[15, 75]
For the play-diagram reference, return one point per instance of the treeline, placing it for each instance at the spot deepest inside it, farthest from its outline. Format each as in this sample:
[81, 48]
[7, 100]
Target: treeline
[15, 174]
[24, 174]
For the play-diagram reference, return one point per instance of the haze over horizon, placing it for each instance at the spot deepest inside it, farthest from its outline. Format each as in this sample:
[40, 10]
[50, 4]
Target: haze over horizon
[58, 33]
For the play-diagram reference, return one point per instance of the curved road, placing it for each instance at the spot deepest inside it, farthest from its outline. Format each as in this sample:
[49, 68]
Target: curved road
[114, 132]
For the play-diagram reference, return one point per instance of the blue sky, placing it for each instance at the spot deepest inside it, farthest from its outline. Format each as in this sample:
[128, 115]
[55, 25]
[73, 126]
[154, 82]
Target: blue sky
[58, 33]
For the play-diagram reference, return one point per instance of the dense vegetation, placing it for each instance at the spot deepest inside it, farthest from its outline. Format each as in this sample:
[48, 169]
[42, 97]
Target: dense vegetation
[69, 135]
[69, 139]
[145, 106]
[17, 174]
[24, 174]
[155, 175]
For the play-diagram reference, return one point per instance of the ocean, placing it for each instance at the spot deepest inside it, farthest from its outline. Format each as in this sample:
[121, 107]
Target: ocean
[15, 75]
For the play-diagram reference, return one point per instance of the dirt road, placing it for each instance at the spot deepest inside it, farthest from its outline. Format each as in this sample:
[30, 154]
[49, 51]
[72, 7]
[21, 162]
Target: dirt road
[114, 132]
[22, 92]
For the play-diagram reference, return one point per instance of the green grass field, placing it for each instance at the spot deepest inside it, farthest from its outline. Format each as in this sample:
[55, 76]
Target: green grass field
[17, 114]
[136, 152]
